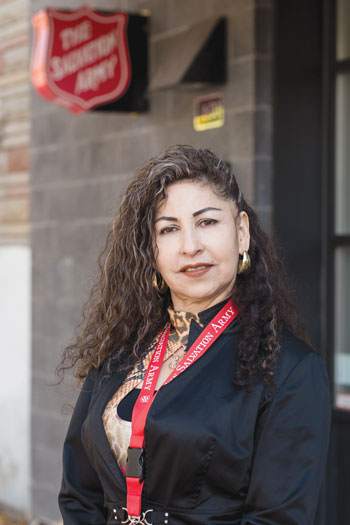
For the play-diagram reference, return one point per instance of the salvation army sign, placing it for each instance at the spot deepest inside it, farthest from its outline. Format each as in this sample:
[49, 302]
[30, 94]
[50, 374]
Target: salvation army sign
[80, 59]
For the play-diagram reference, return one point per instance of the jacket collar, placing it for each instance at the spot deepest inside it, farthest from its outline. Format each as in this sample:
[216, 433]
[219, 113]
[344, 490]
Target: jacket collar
[207, 315]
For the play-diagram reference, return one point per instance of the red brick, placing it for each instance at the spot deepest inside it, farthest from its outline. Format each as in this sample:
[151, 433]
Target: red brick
[14, 211]
[16, 190]
[18, 159]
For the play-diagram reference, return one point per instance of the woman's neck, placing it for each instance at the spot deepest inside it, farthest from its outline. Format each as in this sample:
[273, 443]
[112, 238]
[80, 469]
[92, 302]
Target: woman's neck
[195, 306]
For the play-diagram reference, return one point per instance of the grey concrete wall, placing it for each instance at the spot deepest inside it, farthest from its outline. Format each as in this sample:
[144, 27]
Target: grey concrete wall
[79, 166]
[263, 117]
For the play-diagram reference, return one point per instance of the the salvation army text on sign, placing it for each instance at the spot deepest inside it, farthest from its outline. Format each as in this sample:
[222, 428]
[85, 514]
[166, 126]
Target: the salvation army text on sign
[80, 59]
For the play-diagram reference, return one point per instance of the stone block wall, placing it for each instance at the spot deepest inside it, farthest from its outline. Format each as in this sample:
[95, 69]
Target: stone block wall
[80, 165]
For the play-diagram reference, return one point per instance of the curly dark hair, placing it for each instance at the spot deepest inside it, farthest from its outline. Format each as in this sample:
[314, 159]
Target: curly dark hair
[124, 312]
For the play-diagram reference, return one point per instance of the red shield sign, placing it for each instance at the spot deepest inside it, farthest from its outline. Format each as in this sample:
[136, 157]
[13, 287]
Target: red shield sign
[80, 59]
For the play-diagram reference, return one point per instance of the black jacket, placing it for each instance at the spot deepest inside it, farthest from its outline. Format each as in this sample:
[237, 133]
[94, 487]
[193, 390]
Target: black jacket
[213, 453]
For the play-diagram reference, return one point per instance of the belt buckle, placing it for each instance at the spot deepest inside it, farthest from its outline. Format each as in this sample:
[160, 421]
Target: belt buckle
[144, 516]
[137, 520]
[133, 520]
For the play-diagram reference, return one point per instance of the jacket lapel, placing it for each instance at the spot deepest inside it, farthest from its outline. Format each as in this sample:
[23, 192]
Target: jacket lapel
[106, 390]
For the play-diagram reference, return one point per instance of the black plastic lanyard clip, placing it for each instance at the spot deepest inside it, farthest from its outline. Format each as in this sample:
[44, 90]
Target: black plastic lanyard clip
[134, 464]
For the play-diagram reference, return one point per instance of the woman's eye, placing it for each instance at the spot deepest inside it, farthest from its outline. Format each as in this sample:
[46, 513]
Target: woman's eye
[207, 222]
[167, 229]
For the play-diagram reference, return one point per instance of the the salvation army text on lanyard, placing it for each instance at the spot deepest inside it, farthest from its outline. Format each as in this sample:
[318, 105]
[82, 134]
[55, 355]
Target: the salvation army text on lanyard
[134, 475]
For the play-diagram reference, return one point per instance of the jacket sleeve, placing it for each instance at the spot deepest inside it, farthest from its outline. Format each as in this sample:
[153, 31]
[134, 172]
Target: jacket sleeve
[81, 496]
[291, 445]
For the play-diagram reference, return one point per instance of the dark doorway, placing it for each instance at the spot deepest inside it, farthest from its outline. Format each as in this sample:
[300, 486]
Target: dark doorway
[298, 181]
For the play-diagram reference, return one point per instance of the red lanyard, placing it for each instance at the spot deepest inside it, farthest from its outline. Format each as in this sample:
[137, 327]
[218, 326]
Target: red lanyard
[134, 474]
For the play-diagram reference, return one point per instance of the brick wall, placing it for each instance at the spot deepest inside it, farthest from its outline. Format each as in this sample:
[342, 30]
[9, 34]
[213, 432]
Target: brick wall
[14, 254]
[14, 122]
[80, 164]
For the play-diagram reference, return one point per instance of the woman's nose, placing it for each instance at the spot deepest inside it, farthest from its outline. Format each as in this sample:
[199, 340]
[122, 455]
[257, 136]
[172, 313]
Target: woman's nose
[191, 243]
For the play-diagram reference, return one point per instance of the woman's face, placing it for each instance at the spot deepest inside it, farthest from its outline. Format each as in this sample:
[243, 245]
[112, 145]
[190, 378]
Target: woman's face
[198, 238]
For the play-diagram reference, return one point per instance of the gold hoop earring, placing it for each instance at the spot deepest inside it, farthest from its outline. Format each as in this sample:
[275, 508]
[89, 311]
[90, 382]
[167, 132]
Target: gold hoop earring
[162, 287]
[244, 263]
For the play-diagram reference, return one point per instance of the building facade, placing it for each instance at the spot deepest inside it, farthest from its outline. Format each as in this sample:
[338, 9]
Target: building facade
[286, 100]
[80, 164]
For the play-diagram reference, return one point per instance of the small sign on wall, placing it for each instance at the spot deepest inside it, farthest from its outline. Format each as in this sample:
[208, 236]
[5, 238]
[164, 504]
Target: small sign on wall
[208, 112]
[81, 59]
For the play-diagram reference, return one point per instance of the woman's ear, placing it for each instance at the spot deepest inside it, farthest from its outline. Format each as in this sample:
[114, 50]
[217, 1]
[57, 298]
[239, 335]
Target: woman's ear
[243, 232]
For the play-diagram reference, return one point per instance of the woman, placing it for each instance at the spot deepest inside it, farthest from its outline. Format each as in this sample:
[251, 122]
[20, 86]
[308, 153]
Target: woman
[202, 401]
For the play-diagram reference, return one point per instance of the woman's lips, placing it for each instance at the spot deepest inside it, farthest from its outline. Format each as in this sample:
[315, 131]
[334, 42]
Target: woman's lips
[195, 270]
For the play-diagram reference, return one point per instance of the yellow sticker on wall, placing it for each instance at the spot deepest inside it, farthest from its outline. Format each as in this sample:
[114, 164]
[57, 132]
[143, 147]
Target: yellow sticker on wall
[208, 112]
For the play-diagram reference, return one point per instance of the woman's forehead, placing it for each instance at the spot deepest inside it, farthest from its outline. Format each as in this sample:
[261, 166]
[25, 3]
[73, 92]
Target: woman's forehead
[188, 194]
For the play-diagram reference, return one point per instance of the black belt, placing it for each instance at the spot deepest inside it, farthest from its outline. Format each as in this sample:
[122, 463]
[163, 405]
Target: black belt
[148, 517]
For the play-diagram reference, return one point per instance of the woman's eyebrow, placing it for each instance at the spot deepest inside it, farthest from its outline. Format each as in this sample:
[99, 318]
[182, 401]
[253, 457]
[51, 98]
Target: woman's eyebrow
[163, 218]
[204, 210]
[174, 219]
